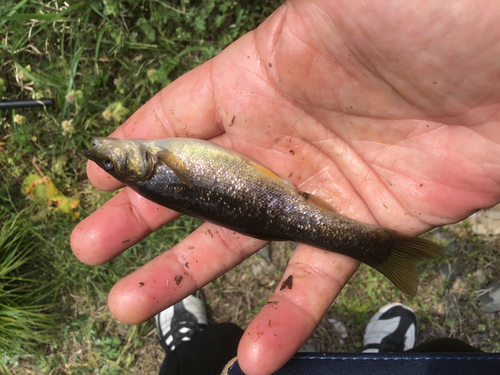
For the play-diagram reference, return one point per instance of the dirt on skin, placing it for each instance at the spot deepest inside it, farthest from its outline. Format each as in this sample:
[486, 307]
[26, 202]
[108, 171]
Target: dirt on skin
[448, 303]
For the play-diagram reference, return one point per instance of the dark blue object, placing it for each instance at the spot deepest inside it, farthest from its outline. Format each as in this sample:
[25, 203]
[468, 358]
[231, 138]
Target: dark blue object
[388, 363]
[10, 104]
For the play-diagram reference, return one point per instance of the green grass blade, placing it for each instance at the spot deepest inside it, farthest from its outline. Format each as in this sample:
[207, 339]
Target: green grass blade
[26, 72]
[74, 65]
[32, 16]
[12, 11]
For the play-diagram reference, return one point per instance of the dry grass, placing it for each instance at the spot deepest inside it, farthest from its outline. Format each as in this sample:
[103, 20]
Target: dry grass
[90, 57]
[447, 305]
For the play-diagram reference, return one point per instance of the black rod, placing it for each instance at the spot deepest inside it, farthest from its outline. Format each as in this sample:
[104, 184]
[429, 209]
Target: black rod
[10, 104]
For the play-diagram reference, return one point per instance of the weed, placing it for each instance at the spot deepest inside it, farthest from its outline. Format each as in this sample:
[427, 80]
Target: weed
[100, 60]
[25, 317]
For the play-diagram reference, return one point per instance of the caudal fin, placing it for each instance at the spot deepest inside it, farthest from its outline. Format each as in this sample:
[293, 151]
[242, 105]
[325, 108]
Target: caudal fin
[401, 265]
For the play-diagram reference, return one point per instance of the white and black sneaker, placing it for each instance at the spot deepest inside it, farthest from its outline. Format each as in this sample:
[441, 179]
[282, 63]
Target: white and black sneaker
[393, 329]
[181, 321]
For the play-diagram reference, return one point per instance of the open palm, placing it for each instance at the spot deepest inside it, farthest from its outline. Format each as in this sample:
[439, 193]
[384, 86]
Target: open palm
[386, 109]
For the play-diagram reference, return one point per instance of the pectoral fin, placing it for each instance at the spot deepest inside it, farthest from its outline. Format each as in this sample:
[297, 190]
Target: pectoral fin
[175, 164]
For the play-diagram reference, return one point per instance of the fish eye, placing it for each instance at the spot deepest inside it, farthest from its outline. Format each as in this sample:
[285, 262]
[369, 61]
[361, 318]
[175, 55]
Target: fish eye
[107, 165]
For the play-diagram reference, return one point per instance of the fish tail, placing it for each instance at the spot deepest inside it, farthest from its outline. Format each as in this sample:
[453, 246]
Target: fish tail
[400, 267]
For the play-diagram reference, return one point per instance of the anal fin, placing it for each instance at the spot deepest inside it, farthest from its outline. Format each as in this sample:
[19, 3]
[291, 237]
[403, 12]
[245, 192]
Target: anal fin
[320, 202]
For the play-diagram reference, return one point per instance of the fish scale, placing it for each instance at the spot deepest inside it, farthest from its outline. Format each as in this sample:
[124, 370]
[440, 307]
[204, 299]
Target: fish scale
[210, 182]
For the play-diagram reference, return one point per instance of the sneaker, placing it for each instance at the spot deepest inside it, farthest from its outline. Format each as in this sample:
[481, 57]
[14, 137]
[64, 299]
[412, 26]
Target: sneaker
[393, 329]
[181, 321]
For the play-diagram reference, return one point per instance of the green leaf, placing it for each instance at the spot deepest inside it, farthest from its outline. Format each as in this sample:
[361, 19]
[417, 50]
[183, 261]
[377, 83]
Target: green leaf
[147, 29]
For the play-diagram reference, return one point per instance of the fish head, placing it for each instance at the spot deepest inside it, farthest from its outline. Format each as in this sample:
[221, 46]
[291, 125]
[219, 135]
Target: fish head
[124, 159]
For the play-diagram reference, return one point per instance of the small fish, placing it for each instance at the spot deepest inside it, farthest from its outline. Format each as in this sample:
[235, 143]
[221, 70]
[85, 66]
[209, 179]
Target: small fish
[215, 184]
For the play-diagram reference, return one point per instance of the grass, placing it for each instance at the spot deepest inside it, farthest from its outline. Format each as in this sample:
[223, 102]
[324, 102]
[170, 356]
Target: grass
[101, 60]
[25, 317]
[447, 306]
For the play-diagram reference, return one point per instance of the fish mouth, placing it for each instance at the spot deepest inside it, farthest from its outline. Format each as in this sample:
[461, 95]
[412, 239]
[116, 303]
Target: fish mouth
[90, 154]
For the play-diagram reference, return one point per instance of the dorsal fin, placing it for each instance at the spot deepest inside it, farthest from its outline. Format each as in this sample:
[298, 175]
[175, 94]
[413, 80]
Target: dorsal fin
[175, 164]
[311, 197]
[269, 173]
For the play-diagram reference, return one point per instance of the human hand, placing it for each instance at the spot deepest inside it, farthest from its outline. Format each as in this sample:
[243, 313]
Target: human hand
[385, 109]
